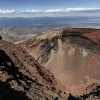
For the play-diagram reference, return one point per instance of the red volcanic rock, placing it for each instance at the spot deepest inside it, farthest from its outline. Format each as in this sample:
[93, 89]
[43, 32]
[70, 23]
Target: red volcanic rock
[71, 55]
[23, 78]
[94, 36]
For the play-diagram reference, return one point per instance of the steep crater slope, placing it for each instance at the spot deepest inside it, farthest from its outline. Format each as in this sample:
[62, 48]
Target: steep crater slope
[70, 54]
[23, 78]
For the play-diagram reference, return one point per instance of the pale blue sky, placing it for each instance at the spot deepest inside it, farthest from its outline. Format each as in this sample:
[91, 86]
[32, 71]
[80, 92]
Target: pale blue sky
[47, 4]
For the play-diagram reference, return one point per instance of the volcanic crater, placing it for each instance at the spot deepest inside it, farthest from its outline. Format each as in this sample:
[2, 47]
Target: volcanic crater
[70, 54]
[71, 60]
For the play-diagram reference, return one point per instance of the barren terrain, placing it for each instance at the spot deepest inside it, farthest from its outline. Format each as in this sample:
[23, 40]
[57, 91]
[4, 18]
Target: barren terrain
[58, 65]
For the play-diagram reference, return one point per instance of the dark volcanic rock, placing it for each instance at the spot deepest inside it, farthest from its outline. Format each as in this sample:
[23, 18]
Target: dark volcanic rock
[0, 38]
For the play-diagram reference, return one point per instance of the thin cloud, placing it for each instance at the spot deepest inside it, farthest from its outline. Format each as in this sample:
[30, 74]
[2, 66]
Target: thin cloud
[63, 10]
[6, 11]
[32, 11]
[52, 10]
[81, 9]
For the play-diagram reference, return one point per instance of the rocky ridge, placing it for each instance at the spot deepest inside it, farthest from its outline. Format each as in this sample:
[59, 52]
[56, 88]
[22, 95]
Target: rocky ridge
[24, 78]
